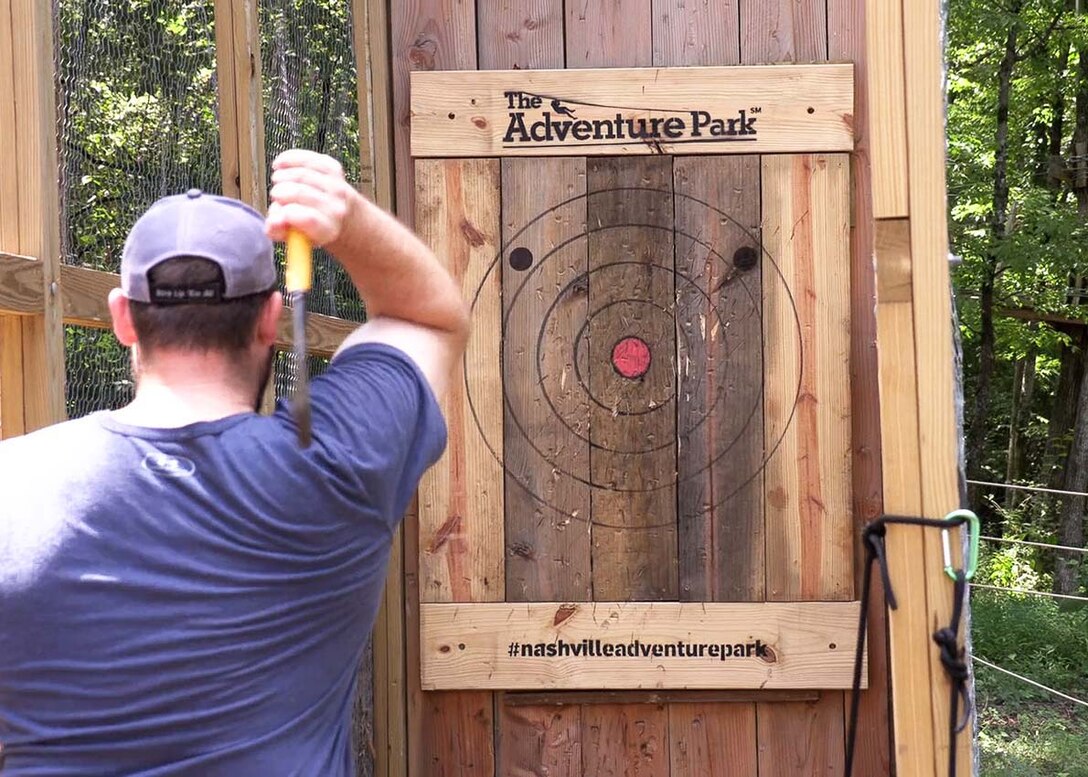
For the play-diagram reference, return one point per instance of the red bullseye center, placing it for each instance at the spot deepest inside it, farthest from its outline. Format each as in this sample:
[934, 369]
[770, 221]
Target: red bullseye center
[631, 357]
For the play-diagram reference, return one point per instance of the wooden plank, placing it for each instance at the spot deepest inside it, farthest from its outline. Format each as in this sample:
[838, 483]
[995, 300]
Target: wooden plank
[609, 33]
[847, 24]
[787, 645]
[84, 295]
[547, 528]
[625, 739]
[703, 32]
[739, 696]
[938, 430]
[11, 328]
[520, 33]
[613, 34]
[22, 289]
[546, 427]
[783, 30]
[632, 416]
[11, 377]
[706, 736]
[458, 740]
[807, 351]
[461, 497]
[451, 732]
[540, 741]
[886, 101]
[720, 391]
[426, 35]
[228, 100]
[802, 740]
[9, 179]
[35, 156]
[909, 626]
[738, 110]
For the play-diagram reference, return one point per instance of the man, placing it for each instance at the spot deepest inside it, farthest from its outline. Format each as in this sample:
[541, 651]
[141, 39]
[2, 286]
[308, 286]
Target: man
[184, 590]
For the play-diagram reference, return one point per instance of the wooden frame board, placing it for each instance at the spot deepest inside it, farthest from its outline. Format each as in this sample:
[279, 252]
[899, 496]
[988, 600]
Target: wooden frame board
[691, 110]
[616, 645]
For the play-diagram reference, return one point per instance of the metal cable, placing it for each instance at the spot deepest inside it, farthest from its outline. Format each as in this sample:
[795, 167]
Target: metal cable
[1029, 591]
[1029, 681]
[1050, 545]
[1015, 487]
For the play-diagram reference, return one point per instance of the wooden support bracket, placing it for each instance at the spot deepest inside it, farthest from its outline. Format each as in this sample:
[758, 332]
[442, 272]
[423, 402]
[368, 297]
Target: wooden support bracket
[84, 292]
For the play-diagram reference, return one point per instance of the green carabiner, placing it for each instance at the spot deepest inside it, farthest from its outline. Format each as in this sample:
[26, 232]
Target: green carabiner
[972, 544]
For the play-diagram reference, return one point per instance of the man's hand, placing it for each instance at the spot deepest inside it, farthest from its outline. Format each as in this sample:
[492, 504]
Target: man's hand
[309, 193]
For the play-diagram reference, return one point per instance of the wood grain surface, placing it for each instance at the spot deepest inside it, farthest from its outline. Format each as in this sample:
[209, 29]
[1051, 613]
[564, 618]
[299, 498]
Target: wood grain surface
[522, 112]
[617, 645]
[461, 497]
[720, 388]
[632, 426]
[547, 513]
[807, 351]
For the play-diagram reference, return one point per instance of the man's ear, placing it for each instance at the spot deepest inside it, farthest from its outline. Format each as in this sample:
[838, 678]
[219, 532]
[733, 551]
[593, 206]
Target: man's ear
[268, 323]
[121, 314]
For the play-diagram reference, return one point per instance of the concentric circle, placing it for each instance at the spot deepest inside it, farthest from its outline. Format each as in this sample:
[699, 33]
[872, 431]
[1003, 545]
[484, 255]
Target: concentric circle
[626, 369]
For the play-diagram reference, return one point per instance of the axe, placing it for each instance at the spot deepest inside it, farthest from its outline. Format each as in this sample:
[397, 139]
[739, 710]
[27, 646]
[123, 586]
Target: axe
[299, 273]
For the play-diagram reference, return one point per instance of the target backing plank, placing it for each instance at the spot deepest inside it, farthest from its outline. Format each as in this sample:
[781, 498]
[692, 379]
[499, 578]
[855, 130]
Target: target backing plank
[705, 736]
[461, 497]
[806, 222]
[638, 645]
[783, 31]
[635, 735]
[546, 430]
[802, 739]
[633, 111]
[629, 369]
[720, 368]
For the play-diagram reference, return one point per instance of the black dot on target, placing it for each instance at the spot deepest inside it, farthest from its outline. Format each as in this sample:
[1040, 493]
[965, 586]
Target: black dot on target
[745, 258]
[521, 258]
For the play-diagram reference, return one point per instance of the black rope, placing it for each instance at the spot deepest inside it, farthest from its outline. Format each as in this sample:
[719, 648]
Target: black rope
[953, 657]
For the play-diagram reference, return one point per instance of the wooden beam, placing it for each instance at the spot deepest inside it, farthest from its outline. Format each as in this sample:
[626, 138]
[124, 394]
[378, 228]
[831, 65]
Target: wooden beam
[241, 111]
[83, 295]
[370, 31]
[937, 426]
[32, 347]
[779, 109]
[723, 696]
[638, 645]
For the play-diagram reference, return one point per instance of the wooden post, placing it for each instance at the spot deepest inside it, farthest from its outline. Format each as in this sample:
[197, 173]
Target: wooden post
[31, 346]
[916, 373]
[372, 62]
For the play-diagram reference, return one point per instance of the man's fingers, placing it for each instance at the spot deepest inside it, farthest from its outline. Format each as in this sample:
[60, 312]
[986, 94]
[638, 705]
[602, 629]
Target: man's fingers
[298, 157]
[287, 192]
[316, 225]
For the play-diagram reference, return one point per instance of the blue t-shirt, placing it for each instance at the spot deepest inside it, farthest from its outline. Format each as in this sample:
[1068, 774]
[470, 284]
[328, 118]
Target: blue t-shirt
[195, 601]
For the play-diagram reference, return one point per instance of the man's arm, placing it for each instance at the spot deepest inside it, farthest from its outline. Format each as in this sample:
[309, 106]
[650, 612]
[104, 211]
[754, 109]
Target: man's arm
[412, 302]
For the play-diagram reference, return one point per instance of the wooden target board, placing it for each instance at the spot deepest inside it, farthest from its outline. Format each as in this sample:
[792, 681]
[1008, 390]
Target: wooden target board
[647, 483]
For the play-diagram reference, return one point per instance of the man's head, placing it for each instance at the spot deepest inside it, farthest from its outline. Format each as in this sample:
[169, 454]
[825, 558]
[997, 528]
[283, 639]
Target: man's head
[198, 278]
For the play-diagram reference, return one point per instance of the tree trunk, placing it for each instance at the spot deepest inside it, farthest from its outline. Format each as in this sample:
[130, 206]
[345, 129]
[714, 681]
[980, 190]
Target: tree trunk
[980, 421]
[1071, 518]
[1062, 412]
[1023, 390]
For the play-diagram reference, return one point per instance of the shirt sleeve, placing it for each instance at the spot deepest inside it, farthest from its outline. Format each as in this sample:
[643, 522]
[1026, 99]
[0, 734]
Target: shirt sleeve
[376, 421]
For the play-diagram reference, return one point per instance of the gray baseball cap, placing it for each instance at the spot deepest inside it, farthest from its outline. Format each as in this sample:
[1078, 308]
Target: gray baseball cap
[221, 229]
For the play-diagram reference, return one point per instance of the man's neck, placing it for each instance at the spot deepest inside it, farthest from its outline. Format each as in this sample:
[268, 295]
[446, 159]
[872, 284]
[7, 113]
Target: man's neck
[179, 389]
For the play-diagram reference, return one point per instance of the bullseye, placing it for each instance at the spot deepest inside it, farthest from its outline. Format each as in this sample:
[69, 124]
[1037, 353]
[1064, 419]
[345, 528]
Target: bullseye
[631, 357]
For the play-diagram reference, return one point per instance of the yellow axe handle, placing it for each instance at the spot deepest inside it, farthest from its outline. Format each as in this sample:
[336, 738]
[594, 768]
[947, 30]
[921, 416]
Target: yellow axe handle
[299, 262]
